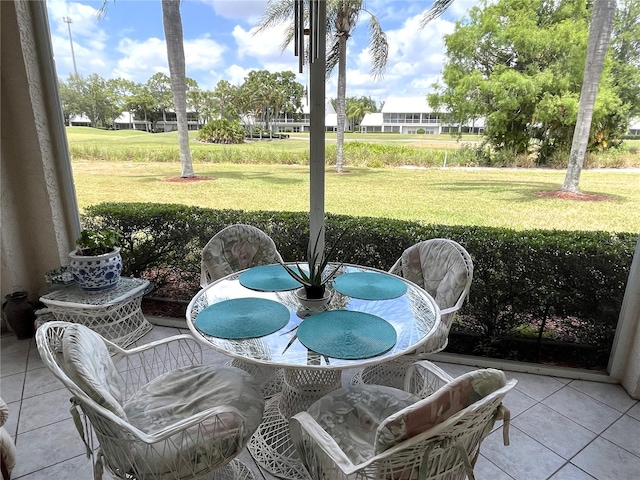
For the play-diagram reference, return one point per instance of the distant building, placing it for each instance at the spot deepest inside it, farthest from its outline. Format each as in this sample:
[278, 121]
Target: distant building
[634, 127]
[413, 115]
[301, 122]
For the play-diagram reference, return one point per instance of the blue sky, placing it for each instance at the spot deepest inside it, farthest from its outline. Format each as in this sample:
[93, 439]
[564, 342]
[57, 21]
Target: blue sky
[220, 44]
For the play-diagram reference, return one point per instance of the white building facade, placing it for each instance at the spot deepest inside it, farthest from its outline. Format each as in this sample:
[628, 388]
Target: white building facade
[412, 115]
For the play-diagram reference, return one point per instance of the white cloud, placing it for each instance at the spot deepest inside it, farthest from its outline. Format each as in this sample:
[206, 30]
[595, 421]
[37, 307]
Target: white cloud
[265, 49]
[236, 74]
[250, 10]
[141, 59]
[264, 46]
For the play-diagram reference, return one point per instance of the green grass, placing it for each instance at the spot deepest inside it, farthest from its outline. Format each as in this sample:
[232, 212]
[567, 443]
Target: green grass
[131, 166]
[491, 197]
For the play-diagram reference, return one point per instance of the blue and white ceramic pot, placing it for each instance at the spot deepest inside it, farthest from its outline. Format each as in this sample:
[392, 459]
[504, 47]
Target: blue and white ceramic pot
[96, 273]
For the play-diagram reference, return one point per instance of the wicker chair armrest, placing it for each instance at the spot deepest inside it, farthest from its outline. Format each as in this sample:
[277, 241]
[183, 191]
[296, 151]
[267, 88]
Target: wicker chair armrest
[445, 311]
[311, 440]
[423, 378]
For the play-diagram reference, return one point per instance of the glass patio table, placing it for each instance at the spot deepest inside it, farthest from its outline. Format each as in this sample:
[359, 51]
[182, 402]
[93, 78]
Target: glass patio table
[372, 317]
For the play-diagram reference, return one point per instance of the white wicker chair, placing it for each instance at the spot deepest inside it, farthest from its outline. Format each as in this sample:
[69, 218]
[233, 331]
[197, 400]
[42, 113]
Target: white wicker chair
[156, 412]
[371, 432]
[235, 248]
[445, 270]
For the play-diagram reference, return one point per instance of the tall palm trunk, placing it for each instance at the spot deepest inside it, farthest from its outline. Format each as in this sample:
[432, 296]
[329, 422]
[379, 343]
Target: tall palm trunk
[599, 34]
[341, 101]
[175, 56]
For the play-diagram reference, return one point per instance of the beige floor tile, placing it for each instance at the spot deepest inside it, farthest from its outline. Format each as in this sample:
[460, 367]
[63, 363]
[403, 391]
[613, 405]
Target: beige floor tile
[635, 411]
[517, 402]
[10, 345]
[612, 395]
[550, 428]
[626, 434]
[485, 470]
[34, 360]
[582, 409]
[12, 422]
[12, 386]
[537, 387]
[75, 468]
[571, 472]
[39, 381]
[606, 461]
[47, 446]
[45, 409]
[524, 458]
[13, 363]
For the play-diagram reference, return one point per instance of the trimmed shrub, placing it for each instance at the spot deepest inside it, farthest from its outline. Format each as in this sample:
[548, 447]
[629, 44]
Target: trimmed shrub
[538, 295]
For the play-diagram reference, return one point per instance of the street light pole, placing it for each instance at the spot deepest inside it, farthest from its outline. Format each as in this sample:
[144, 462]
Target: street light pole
[67, 20]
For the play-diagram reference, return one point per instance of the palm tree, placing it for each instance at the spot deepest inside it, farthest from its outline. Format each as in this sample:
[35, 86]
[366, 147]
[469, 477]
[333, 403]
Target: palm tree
[600, 30]
[342, 17]
[172, 22]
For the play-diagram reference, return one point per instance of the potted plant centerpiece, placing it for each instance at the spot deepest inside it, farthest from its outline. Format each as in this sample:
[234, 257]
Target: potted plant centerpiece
[96, 262]
[315, 277]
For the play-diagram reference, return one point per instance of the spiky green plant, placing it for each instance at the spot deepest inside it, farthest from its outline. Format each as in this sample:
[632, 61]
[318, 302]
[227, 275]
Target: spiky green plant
[317, 263]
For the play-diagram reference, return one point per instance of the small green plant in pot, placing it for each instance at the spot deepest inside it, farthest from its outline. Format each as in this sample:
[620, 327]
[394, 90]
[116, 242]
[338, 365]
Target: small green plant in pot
[314, 279]
[96, 262]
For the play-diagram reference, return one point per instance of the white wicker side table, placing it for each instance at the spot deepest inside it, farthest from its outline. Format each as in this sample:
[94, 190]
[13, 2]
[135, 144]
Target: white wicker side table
[115, 314]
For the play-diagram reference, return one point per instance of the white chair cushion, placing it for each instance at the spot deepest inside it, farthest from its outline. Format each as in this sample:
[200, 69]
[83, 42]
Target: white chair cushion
[439, 268]
[438, 407]
[352, 415]
[182, 393]
[235, 248]
[89, 365]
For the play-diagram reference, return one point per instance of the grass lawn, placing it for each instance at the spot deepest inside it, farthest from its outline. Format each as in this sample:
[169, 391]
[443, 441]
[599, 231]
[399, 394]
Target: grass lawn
[491, 197]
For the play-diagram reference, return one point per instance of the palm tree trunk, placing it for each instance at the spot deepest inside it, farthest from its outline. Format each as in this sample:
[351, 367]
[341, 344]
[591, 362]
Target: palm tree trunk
[599, 34]
[175, 56]
[341, 102]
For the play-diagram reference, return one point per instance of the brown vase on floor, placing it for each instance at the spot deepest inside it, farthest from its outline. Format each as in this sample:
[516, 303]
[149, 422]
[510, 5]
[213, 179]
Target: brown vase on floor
[20, 314]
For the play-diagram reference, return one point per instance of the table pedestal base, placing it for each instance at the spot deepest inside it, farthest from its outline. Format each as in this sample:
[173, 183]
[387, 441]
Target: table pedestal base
[271, 446]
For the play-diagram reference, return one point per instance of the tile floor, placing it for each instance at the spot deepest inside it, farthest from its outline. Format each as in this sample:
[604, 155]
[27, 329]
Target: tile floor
[561, 429]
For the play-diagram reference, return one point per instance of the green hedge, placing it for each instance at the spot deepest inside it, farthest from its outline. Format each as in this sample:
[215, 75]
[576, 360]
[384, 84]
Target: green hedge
[537, 295]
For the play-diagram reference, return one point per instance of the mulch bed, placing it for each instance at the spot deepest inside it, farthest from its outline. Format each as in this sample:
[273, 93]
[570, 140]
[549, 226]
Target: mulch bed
[161, 308]
[584, 197]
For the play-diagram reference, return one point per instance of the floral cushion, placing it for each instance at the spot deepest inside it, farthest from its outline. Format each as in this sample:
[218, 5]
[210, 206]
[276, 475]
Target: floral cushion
[439, 268]
[235, 248]
[352, 415]
[438, 407]
[88, 363]
[180, 394]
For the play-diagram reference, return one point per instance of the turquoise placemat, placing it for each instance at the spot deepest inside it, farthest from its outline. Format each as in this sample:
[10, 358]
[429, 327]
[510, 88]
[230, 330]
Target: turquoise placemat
[347, 335]
[370, 285]
[268, 278]
[242, 318]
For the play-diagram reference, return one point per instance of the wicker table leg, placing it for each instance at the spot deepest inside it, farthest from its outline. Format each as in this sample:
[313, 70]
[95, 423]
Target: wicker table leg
[271, 446]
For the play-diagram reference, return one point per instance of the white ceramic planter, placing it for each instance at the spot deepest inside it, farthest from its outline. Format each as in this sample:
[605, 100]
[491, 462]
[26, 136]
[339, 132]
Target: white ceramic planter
[96, 273]
[313, 303]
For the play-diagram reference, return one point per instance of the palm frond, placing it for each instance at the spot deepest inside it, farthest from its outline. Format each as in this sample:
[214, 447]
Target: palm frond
[438, 7]
[275, 13]
[333, 55]
[378, 47]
